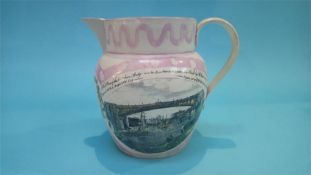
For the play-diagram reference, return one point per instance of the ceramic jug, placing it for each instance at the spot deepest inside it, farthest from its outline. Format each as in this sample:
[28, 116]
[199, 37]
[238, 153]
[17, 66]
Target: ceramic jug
[151, 83]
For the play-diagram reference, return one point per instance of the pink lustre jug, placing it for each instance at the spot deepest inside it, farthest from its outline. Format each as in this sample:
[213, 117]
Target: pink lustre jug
[151, 83]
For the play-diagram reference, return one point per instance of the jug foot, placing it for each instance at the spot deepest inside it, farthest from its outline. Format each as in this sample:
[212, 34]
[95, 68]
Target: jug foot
[131, 152]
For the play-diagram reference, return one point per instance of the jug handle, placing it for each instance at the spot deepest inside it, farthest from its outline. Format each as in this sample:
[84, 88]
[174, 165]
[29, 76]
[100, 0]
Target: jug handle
[234, 50]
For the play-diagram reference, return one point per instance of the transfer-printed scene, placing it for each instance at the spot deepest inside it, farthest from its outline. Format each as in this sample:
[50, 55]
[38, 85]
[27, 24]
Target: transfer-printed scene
[154, 115]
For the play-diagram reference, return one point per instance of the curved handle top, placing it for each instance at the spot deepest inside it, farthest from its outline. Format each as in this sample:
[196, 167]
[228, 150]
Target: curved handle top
[234, 51]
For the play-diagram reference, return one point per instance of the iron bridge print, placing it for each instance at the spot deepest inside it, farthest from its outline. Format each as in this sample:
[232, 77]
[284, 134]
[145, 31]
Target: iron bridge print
[132, 125]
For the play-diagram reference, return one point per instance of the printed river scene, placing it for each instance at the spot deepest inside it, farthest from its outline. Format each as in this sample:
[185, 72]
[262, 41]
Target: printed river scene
[157, 121]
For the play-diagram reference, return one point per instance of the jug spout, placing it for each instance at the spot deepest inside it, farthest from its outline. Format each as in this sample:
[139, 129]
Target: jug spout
[97, 25]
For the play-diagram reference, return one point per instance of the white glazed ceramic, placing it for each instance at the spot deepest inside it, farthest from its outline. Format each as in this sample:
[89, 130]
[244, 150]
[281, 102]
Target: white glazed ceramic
[151, 83]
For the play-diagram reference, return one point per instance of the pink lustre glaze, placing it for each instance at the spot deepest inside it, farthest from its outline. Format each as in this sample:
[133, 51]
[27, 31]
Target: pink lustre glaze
[137, 63]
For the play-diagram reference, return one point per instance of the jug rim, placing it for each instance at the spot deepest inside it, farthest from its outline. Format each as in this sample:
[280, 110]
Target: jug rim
[146, 18]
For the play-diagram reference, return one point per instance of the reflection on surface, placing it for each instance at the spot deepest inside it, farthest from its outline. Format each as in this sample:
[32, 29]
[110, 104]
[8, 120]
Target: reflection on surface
[116, 161]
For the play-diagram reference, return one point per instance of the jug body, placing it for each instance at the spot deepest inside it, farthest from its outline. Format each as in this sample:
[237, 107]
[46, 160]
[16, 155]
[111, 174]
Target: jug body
[151, 102]
[151, 83]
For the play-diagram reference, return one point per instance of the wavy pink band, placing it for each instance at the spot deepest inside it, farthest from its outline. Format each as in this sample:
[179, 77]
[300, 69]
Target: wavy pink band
[167, 30]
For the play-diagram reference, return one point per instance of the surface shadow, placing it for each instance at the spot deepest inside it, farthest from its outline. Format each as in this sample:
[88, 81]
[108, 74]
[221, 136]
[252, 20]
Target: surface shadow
[113, 159]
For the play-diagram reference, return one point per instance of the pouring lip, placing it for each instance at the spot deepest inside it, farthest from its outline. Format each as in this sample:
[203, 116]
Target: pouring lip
[145, 18]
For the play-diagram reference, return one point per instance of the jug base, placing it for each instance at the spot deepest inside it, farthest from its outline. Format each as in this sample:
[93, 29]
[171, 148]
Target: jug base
[131, 152]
